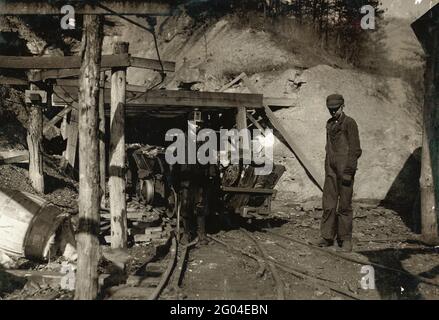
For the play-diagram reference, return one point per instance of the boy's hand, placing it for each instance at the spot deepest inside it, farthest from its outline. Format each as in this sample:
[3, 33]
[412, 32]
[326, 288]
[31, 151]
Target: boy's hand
[346, 180]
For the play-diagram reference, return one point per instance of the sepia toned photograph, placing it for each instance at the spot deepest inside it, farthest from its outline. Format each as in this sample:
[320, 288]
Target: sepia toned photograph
[219, 155]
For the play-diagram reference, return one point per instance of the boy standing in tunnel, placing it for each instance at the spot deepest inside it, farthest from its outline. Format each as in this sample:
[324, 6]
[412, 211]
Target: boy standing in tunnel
[342, 153]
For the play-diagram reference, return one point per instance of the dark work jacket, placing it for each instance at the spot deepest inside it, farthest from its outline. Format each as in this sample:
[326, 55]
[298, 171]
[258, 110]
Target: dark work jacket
[342, 146]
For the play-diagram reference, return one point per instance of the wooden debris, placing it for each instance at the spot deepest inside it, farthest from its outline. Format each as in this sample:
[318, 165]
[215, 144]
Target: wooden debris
[14, 156]
[72, 140]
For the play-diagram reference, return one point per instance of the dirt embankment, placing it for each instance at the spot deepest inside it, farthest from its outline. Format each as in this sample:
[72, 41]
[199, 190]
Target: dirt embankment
[284, 60]
[385, 108]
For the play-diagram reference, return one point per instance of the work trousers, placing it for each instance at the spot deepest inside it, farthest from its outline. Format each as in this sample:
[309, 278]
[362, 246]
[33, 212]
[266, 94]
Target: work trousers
[336, 223]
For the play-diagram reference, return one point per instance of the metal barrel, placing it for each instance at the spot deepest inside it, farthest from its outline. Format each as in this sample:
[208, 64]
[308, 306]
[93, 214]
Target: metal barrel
[27, 222]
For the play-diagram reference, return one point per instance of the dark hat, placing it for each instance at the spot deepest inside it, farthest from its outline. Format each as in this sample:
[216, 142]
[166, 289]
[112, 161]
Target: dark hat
[334, 101]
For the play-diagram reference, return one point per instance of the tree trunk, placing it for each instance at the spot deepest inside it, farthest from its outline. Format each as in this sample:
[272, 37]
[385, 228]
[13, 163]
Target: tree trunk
[89, 200]
[34, 142]
[116, 183]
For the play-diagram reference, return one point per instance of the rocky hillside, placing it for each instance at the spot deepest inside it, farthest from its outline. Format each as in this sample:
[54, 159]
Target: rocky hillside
[286, 61]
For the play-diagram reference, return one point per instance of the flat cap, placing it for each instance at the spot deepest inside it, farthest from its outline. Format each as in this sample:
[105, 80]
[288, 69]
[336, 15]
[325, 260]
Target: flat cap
[334, 101]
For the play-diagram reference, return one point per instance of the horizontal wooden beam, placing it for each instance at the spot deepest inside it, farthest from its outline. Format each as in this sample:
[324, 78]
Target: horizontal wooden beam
[175, 98]
[66, 67]
[59, 74]
[152, 64]
[68, 62]
[274, 102]
[127, 7]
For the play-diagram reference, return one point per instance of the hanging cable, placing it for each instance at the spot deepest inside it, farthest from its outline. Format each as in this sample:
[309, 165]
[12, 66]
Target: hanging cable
[152, 22]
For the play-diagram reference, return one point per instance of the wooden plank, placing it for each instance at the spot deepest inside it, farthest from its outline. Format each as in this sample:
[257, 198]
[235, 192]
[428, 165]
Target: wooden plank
[175, 98]
[255, 122]
[273, 102]
[18, 157]
[66, 62]
[72, 141]
[152, 64]
[34, 142]
[297, 150]
[58, 117]
[70, 73]
[14, 7]
[59, 74]
[279, 102]
[231, 83]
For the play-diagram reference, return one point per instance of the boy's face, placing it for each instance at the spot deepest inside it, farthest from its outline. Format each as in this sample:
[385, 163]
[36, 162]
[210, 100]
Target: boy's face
[335, 112]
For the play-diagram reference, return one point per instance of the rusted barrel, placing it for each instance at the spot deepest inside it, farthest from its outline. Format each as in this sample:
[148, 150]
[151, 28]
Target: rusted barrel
[27, 222]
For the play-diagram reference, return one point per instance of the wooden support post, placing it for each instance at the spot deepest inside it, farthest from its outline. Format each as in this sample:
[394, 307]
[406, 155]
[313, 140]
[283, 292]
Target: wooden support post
[116, 183]
[102, 160]
[34, 142]
[241, 118]
[89, 200]
[430, 150]
[241, 124]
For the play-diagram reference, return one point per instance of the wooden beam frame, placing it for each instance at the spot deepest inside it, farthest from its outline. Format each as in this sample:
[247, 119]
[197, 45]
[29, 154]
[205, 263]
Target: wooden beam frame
[175, 98]
[70, 64]
[152, 64]
[15, 7]
[67, 62]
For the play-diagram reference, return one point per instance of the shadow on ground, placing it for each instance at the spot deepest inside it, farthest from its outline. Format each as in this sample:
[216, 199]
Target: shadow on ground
[235, 222]
[398, 286]
[9, 282]
[403, 195]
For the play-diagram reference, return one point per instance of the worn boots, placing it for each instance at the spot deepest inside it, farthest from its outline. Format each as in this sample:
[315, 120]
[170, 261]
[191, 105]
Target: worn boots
[344, 246]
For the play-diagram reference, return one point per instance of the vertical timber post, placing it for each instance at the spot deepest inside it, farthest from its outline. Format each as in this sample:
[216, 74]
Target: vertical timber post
[430, 152]
[89, 199]
[34, 142]
[116, 183]
[102, 160]
[241, 124]
[241, 118]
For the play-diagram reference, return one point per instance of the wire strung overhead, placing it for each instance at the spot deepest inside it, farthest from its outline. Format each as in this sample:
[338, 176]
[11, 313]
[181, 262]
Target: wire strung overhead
[152, 22]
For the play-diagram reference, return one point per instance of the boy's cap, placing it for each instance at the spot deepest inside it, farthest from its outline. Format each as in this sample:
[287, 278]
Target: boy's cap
[334, 101]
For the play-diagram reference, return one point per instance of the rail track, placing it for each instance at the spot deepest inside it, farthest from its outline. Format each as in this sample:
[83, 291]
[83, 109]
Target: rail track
[312, 280]
[163, 278]
[156, 275]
